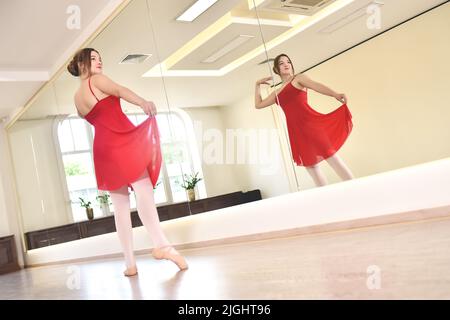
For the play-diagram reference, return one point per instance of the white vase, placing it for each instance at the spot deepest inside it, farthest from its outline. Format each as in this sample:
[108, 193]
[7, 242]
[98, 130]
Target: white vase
[105, 210]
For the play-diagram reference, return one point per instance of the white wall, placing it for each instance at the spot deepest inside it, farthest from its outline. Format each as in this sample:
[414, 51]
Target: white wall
[9, 217]
[240, 120]
[268, 173]
[219, 178]
[5, 223]
[4, 220]
[38, 178]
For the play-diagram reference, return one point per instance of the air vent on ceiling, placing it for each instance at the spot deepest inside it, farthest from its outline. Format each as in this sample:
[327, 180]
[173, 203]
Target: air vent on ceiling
[135, 58]
[301, 7]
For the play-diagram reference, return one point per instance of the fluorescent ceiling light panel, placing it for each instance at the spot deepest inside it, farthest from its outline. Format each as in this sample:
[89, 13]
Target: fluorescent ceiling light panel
[349, 18]
[195, 10]
[266, 22]
[230, 46]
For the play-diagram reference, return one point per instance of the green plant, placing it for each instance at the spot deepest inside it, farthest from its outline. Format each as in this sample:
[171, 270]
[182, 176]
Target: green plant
[85, 204]
[103, 198]
[189, 182]
[75, 169]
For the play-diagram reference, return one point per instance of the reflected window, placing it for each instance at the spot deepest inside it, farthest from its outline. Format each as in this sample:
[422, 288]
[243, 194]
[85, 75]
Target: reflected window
[75, 137]
[75, 142]
[177, 154]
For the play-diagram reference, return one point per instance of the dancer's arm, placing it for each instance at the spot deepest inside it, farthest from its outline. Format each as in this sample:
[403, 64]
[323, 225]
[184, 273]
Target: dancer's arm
[259, 102]
[108, 86]
[307, 82]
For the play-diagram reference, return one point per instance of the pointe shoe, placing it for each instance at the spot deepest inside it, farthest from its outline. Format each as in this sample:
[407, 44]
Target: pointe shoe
[129, 272]
[160, 253]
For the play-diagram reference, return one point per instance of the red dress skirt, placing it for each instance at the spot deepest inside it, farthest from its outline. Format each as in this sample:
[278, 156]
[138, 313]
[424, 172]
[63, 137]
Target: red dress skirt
[313, 136]
[122, 151]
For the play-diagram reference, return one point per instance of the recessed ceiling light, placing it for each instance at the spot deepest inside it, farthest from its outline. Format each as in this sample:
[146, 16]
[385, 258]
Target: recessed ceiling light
[195, 10]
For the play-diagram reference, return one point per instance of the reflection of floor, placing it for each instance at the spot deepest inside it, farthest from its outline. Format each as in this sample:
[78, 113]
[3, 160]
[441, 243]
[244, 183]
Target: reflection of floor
[402, 261]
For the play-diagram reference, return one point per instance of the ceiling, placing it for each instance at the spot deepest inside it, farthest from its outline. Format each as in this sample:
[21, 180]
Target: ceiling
[178, 48]
[36, 41]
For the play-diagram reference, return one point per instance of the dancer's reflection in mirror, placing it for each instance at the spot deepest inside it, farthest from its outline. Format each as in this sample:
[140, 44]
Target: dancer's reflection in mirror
[313, 136]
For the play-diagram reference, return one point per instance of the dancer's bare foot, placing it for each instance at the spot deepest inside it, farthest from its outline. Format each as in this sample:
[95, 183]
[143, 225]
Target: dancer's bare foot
[129, 272]
[169, 253]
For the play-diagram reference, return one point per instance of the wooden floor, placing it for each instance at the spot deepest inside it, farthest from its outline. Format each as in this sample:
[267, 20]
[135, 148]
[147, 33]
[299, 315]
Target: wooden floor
[402, 261]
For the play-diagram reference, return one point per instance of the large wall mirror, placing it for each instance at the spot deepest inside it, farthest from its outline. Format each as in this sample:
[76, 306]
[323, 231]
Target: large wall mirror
[201, 72]
[200, 75]
[392, 67]
[209, 68]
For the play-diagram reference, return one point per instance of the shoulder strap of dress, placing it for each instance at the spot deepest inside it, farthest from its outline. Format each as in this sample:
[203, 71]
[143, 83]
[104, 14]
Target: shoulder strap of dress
[89, 80]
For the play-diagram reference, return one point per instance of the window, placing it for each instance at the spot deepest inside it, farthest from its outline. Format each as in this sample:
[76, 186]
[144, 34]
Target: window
[75, 137]
[76, 156]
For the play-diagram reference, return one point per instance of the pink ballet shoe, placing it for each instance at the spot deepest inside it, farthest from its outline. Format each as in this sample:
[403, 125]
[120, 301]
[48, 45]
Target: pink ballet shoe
[160, 253]
[129, 272]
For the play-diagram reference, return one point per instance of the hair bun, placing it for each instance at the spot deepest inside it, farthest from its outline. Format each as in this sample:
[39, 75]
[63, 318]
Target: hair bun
[81, 62]
[275, 70]
[73, 68]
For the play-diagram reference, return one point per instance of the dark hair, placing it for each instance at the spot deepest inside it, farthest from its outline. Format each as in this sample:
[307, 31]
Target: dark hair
[83, 58]
[276, 61]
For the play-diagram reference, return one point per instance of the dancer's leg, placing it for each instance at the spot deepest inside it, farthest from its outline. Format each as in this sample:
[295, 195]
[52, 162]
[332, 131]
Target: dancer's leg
[317, 175]
[121, 202]
[148, 214]
[340, 167]
[146, 208]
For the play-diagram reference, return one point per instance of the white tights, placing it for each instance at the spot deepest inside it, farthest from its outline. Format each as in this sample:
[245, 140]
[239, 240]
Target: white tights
[148, 214]
[337, 164]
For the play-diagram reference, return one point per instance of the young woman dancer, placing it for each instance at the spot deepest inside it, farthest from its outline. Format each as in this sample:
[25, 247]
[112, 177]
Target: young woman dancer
[125, 155]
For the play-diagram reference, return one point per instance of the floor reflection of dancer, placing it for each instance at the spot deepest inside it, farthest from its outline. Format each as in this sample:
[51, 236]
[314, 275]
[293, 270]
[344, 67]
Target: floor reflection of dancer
[313, 136]
[125, 155]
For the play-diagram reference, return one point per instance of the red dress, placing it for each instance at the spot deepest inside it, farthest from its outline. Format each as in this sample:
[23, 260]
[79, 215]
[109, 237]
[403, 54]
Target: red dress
[122, 151]
[313, 136]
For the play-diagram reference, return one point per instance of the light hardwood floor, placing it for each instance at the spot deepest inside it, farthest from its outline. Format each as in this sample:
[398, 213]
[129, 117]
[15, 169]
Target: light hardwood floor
[398, 261]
